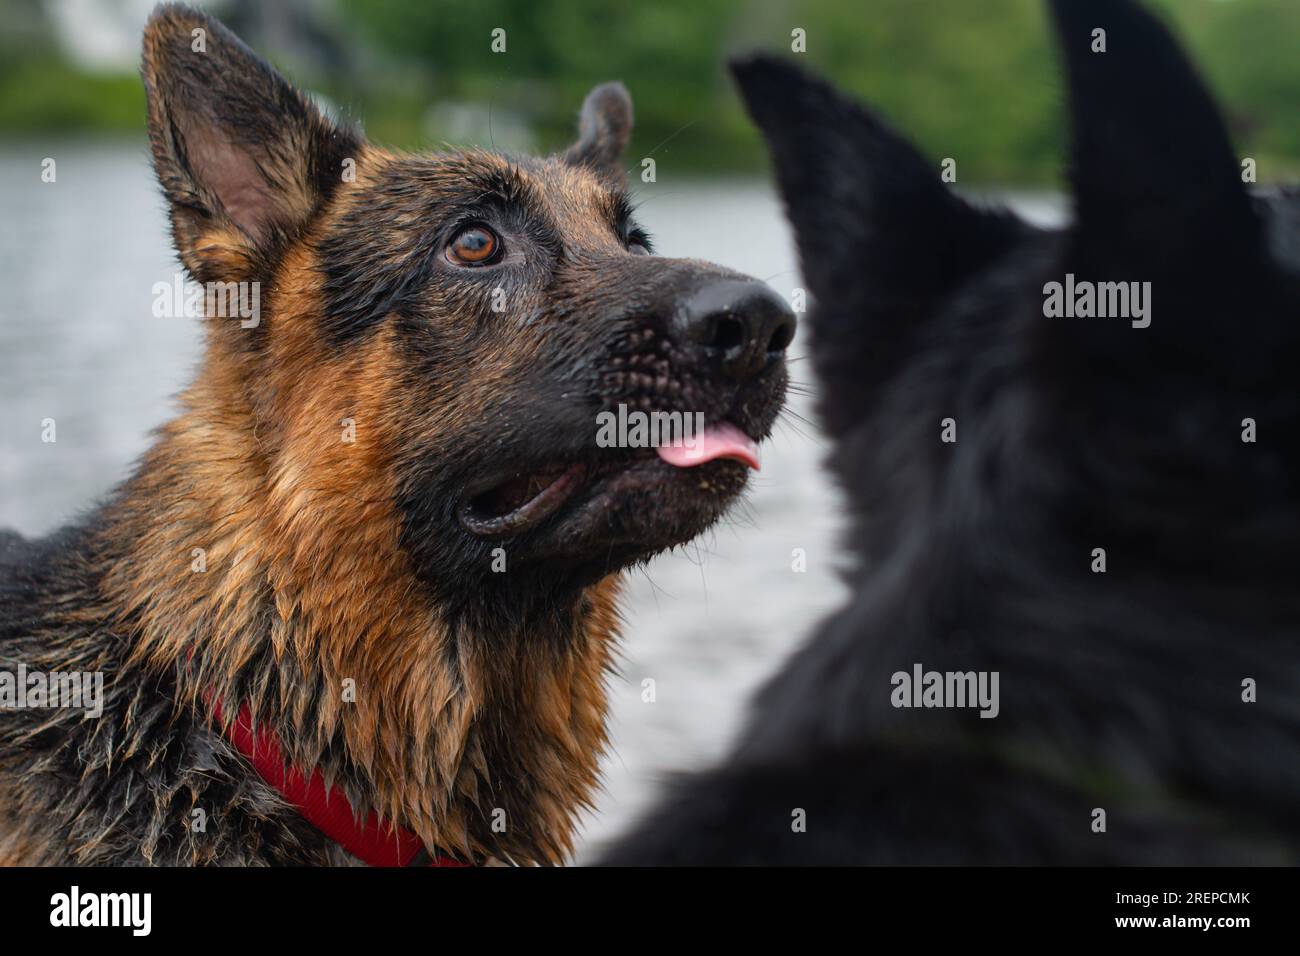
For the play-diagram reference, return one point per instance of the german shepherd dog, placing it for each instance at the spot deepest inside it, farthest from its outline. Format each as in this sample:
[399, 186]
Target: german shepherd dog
[1101, 511]
[381, 538]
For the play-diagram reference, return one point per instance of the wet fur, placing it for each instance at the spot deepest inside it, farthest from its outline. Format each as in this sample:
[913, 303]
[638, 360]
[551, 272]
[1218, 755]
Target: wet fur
[330, 561]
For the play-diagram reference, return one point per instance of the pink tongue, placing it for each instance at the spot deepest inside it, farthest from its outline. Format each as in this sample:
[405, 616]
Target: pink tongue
[723, 440]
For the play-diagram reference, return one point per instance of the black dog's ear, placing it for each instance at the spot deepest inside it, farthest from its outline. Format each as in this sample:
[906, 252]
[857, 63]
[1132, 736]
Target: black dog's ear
[1155, 177]
[604, 129]
[882, 239]
[1160, 205]
[244, 159]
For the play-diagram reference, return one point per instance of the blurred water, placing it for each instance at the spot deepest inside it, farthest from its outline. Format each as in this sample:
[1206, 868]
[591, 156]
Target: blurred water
[79, 344]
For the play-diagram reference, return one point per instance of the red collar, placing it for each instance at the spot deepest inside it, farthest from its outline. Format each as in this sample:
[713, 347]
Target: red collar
[326, 808]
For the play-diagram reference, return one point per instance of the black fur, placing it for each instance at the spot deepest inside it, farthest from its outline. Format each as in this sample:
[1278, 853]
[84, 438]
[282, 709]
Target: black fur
[479, 691]
[121, 788]
[1119, 690]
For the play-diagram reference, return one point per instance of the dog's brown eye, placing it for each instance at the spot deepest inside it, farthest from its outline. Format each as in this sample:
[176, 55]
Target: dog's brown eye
[474, 246]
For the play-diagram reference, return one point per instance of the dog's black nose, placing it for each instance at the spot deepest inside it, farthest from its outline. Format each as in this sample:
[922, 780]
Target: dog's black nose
[739, 323]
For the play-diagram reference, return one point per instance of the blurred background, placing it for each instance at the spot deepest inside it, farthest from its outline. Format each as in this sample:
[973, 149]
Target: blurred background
[969, 80]
[972, 81]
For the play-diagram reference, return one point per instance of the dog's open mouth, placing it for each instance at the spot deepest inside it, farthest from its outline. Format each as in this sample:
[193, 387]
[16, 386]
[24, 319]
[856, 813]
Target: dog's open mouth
[526, 498]
[522, 500]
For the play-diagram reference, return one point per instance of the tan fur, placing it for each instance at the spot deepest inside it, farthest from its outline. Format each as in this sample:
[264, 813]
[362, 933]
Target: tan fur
[299, 512]
[258, 560]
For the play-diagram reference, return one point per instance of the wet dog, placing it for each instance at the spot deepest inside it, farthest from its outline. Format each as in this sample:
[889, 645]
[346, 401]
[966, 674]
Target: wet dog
[376, 557]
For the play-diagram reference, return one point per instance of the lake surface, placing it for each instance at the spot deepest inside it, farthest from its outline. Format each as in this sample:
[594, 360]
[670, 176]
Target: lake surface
[79, 344]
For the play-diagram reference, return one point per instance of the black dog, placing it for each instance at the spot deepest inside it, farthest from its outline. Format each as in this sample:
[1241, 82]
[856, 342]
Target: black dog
[1101, 511]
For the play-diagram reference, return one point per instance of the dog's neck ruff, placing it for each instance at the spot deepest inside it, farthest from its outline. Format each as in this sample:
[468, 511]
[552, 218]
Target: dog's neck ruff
[324, 807]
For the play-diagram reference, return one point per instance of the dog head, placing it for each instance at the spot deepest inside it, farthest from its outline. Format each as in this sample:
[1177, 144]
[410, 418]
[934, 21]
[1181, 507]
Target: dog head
[1083, 500]
[443, 332]
[930, 308]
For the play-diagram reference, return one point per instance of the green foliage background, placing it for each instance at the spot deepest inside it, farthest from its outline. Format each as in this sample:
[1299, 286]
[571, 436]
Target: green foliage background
[972, 79]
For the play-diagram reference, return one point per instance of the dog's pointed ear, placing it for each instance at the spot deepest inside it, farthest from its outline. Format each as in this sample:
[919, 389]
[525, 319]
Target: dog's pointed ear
[1154, 174]
[1160, 205]
[244, 159]
[604, 128]
[882, 239]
